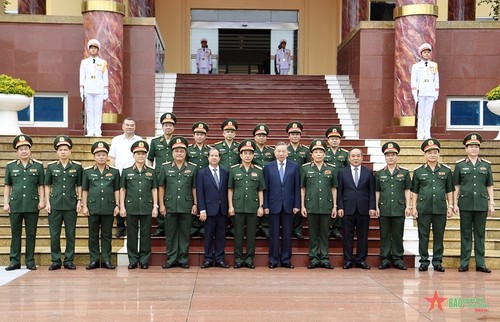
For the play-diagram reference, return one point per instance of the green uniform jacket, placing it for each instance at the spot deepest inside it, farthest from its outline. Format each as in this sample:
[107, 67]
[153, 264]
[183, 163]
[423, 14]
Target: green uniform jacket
[318, 184]
[261, 157]
[24, 184]
[392, 202]
[246, 186]
[160, 150]
[473, 180]
[101, 189]
[63, 182]
[339, 158]
[138, 197]
[432, 187]
[178, 185]
[198, 156]
[301, 155]
[229, 155]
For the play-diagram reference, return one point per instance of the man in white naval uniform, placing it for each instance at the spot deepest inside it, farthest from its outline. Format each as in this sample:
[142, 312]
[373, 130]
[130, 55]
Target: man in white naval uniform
[425, 90]
[282, 58]
[204, 58]
[94, 87]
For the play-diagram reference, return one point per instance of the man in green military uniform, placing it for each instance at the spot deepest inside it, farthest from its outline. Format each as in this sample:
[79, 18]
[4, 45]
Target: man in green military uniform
[197, 153]
[339, 158]
[139, 202]
[100, 203]
[63, 193]
[299, 153]
[246, 200]
[392, 197]
[159, 153]
[474, 200]
[262, 155]
[318, 181]
[177, 198]
[23, 197]
[432, 188]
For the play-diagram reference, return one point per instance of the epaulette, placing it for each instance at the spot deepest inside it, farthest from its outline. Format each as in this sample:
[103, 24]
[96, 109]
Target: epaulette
[192, 163]
[235, 165]
[190, 145]
[52, 162]
[258, 166]
[218, 142]
[304, 146]
[308, 163]
[460, 160]
[89, 167]
[150, 167]
[112, 167]
[76, 162]
[418, 167]
[342, 149]
[208, 146]
[487, 161]
[11, 161]
[166, 162]
[446, 166]
[37, 161]
[330, 164]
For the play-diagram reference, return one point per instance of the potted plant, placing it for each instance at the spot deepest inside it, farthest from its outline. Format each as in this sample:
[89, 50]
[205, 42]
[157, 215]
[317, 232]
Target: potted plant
[494, 4]
[15, 95]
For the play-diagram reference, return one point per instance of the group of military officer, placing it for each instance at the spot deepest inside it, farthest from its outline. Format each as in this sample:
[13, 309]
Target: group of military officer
[169, 192]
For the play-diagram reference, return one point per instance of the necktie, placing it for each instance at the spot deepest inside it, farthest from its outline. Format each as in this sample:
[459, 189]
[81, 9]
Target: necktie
[356, 176]
[216, 178]
[282, 171]
[93, 60]
[425, 64]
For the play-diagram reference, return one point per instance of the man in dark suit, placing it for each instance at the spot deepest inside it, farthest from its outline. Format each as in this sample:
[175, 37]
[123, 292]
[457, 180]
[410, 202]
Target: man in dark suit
[356, 204]
[211, 191]
[281, 201]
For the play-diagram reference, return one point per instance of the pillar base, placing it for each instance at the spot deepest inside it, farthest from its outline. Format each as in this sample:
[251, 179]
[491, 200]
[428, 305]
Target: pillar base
[108, 118]
[407, 121]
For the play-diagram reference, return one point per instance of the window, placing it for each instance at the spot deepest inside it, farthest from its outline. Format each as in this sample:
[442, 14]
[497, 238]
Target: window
[46, 110]
[470, 113]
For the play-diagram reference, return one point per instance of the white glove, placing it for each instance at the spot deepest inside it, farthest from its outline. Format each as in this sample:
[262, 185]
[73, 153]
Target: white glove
[436, 97]
[278, 69]
[106, 92]
[415, 96]
[82, 95]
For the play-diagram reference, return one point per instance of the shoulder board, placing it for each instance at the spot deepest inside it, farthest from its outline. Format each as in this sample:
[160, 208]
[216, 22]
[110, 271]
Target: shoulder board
[190, 145]
[11, 161]
[418, 167]
[257, 166]
[76, 162]
[269, 146]
[37, 161]
[342, 149]
[167, 162]
[330, 164]
[218, 142]
[51, 162]
[304, 146]
[487, 161]
[305, 164]
[208, 146]
[149, 167]
[234, 166]
[112, 167]
[89, 167]
[192, 163]
[458, 161]
[444, 165]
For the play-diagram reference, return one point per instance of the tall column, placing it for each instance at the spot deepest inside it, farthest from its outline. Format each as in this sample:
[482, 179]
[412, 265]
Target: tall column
[461, 10]
[353, 12]
[103, 20]
[141, 8]
[415, 23]
[32, 7]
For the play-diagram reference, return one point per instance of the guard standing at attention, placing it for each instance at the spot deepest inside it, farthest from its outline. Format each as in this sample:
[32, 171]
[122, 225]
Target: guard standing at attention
[100, 203]
[283, 59]
[63, 193]
[392, 198]
[94, 87]
[204, 58]
[474, 200]
[299, 153]
[23, 197]
[432, 203]
[139, 202]
[339, 158]
[159, 153]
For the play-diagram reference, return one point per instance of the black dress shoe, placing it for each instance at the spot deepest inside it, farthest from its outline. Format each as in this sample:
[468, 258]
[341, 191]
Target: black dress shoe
[132, 266]
[483, 269]
[92, 265]
[287, 265]
[312, 265]
[206, 264]
[120, 233]
[31, 267]
[168, 265]
[70, 266]
[400, 267]
[384, 266]
[13, 267]
[250, 265]
[54, 266]
[159, 234]
[347, 265]
[238, 265]
[184, 265]
[107, 265]
[337, 235]
[272, 266]
[463, 268]
[298, 236]
[327, 265]
[362, 265]
[222, 264]
[439, 268]
[423, 268]
[144, 266]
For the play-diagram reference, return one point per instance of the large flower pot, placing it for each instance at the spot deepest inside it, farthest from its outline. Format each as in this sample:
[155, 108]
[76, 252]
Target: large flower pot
[10, 104]
[494, 107]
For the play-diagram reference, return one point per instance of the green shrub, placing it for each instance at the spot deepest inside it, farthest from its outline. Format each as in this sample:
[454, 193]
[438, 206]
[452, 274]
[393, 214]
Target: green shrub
[493, 94]
[9, 85]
